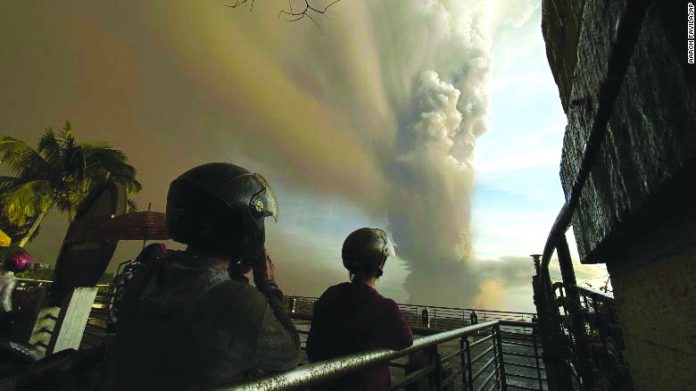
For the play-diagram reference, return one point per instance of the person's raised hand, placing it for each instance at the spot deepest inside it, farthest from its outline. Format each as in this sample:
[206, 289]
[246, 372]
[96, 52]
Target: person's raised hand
[264, 269]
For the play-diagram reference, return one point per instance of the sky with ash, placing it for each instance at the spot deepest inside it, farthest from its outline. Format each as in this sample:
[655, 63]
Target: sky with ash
[438, 120]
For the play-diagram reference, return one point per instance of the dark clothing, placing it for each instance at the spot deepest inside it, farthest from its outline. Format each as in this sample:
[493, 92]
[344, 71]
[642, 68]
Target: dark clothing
[186, 325]
[351, 318]
[149, 253]
[120, 283]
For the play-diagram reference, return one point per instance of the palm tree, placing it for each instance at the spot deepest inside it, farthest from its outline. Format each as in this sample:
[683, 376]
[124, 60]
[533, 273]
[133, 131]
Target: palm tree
[60, 173]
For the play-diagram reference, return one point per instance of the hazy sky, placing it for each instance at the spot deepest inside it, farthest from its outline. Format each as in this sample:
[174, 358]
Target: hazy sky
[438, 120]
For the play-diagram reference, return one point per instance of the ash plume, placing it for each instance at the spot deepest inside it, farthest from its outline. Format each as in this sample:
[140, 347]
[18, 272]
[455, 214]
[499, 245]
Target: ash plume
[430, 171]
[378, 112]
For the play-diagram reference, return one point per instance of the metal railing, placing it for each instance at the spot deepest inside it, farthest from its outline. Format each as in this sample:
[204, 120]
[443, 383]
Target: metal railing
[521, 354]
[484, 370]
[32, 325]
[494, 354]
[301, 307]
[603, 337]
[438, 318]
[95, 331]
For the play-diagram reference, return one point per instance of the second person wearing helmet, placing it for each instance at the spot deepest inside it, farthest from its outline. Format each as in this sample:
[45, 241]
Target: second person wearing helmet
[353, 317]
[12, 260]
[15, 260]
[190, 320]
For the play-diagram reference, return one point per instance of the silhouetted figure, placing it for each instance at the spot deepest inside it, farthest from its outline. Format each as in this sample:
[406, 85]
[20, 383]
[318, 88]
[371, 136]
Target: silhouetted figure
[474, 317]
[425, 317]
[353, 317]
[190, 320]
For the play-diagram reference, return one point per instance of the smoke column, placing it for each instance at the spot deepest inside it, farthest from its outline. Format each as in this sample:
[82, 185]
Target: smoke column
[430, 172]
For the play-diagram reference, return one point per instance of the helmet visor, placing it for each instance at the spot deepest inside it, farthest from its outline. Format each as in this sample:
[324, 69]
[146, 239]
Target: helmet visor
[264, 203]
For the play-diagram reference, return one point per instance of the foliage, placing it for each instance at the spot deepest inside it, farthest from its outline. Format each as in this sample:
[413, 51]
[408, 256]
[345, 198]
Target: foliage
[296, 9]
[38, 272]
[15, 231]
[61, 172]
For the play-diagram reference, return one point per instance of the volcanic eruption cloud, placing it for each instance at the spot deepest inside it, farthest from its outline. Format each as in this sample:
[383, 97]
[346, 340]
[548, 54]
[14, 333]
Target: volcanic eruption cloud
[369, 118]
[379, 109]
[430, 170]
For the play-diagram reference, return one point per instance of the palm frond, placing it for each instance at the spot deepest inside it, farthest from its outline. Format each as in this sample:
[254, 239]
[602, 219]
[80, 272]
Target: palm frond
[66, 203]
[72, 158]
[23, 160]
[8, 183]
[109, 163]
[16, 232]
[26, 201]
[61, 172]
[95, 144]
[50, 148]
[132, 205]
[67, 137]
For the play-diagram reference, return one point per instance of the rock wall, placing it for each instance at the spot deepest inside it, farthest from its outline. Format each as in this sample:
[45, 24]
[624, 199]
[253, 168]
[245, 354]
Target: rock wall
[650, 137]
[560, 25]
[637, 211]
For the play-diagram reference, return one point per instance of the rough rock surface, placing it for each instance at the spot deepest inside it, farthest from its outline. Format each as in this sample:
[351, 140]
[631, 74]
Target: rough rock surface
[651, 137]
[560, 25]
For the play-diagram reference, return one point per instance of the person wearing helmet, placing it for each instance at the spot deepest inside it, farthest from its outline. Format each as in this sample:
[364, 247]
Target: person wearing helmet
[14, 260]
[190, 319]
[353, 317]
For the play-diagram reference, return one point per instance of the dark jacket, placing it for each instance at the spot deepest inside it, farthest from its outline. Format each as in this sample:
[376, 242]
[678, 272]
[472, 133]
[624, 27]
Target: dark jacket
[351, 318]
[185, 325]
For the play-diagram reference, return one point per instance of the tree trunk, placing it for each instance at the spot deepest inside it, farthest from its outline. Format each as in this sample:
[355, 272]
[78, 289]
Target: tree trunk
[34, 226]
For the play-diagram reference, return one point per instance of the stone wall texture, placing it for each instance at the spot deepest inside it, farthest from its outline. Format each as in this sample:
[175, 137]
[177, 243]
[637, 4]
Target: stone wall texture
[651, 136]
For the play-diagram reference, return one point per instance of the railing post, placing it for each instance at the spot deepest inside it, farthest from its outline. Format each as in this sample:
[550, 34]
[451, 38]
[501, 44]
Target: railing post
[416, 361]
[499, 354]
[577, 318]
[425, 317]
[557, 370]
[463, 347]
[438, 372]
[536, 356]
[496, 356]
[469, 365]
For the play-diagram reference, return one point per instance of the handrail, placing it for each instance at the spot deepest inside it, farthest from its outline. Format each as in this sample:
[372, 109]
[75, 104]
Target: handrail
[32, 280]
[330, 369]
[478, 310]
[517, 323]
[436, 307]
[594, 293]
